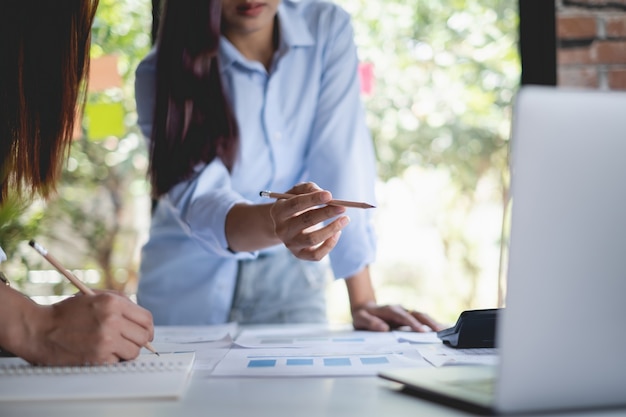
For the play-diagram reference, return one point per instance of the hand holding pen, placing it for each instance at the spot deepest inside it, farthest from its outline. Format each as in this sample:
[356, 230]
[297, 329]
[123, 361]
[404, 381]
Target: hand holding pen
[307, 220]
[107, 328]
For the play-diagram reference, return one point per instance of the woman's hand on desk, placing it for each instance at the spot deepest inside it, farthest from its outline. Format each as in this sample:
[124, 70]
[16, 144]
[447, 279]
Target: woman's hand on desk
[387, 317]
[297, 222]
[368, 315]
[103, 328]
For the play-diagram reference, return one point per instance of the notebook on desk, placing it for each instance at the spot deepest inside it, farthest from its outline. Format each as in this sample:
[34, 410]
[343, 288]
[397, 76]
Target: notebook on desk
[561, 337]
[148, 376]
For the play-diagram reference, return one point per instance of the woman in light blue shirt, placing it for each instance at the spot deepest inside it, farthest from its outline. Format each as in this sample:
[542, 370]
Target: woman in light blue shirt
[217, 251]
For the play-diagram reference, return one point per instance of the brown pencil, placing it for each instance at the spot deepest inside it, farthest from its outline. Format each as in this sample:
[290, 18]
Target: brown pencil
[72, 278]
[344, 203]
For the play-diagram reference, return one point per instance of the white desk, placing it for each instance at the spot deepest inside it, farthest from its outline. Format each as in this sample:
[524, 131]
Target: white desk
[238, 397]
[264, 397]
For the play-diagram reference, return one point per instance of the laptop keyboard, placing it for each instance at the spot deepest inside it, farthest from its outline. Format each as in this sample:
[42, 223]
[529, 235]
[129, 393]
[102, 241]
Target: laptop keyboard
[478, 351]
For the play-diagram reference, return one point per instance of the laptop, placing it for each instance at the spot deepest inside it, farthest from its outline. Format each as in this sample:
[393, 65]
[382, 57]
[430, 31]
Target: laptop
[562, 336]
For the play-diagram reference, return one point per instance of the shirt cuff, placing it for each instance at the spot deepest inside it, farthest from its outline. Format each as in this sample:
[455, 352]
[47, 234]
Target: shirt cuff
[206, 218]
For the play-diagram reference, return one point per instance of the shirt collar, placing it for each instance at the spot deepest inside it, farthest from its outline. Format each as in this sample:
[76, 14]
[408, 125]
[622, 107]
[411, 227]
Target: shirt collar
[294, 32]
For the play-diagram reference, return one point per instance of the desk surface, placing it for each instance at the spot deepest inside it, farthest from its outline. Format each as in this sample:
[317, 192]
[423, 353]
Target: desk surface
[259, 397]
[263, 397]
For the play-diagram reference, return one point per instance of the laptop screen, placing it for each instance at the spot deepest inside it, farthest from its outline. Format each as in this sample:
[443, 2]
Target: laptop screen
[567, 266]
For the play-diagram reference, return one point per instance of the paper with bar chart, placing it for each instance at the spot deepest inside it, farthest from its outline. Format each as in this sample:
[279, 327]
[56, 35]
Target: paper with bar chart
[340, 361]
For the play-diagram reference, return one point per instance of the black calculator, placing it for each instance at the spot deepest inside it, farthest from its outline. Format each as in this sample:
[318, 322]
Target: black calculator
[473, 329]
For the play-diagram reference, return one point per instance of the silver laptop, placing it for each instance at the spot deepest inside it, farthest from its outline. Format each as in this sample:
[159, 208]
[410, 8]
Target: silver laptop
[562, 335]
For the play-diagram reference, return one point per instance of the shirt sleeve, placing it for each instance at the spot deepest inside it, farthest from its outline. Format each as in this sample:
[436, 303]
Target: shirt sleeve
[201, 205]
[341, 156]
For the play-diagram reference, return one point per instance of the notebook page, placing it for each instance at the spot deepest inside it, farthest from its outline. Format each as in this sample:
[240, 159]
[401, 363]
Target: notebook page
[148, 376]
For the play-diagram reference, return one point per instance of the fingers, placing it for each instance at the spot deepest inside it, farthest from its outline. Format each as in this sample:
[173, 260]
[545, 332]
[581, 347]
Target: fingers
[304, 188]
[298, 222]
[120, 303]
[140, 318]
[362, 320]
[134, 337]
[304, 235]
[394, 316]
[303, 220]
[427, 320]
[292, 206]
[314, 245]
[316, 253]
[397, 316]
[129, 325]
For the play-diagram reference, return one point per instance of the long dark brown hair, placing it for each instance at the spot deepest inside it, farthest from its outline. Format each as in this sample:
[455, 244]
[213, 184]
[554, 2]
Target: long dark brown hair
[193, 121]
[44, 59]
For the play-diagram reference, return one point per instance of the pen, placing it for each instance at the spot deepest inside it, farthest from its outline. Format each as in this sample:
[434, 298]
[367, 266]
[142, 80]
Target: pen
[344, 203]
[73, 279]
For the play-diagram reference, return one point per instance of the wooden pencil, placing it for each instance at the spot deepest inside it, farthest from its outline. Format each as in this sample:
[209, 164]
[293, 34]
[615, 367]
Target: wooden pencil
[343, 203]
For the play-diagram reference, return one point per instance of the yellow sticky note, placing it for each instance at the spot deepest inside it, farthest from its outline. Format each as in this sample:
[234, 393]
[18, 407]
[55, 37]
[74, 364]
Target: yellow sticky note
[104, 119]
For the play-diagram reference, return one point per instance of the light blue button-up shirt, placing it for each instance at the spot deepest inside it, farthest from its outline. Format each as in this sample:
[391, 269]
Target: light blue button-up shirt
[301, 121]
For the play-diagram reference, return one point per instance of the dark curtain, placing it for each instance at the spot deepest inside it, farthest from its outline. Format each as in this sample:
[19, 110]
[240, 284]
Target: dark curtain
[537, 41]
[156, 14]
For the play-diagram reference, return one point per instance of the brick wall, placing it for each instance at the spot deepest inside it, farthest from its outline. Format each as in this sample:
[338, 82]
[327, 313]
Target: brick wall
[591, 43]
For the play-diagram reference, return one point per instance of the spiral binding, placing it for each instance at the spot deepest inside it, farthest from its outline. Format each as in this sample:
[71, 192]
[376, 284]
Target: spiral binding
[121, 367]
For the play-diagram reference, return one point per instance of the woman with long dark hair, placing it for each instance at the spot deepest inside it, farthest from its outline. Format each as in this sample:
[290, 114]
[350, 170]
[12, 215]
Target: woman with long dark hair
[217, 251]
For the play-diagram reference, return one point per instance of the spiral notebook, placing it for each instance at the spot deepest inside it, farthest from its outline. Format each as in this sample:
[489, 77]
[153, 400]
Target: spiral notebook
[149, 376]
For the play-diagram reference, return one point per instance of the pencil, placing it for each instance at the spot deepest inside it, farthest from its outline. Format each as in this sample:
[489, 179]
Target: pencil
[343, 203]
[72, 278]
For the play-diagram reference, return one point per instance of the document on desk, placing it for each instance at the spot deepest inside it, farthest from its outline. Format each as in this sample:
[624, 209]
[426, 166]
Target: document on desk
[417, 337]
[194, 334]
[442, 355]
[311, 336]
[149, 376]
[333, 360]
[209, 342]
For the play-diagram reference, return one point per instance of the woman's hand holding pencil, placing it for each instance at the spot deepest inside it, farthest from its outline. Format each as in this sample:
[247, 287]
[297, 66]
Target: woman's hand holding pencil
[308, 221]
[98, 327]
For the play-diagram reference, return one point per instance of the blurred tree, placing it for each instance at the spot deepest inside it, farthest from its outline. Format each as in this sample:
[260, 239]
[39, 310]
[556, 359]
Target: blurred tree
[446, 72]
[17, 220]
